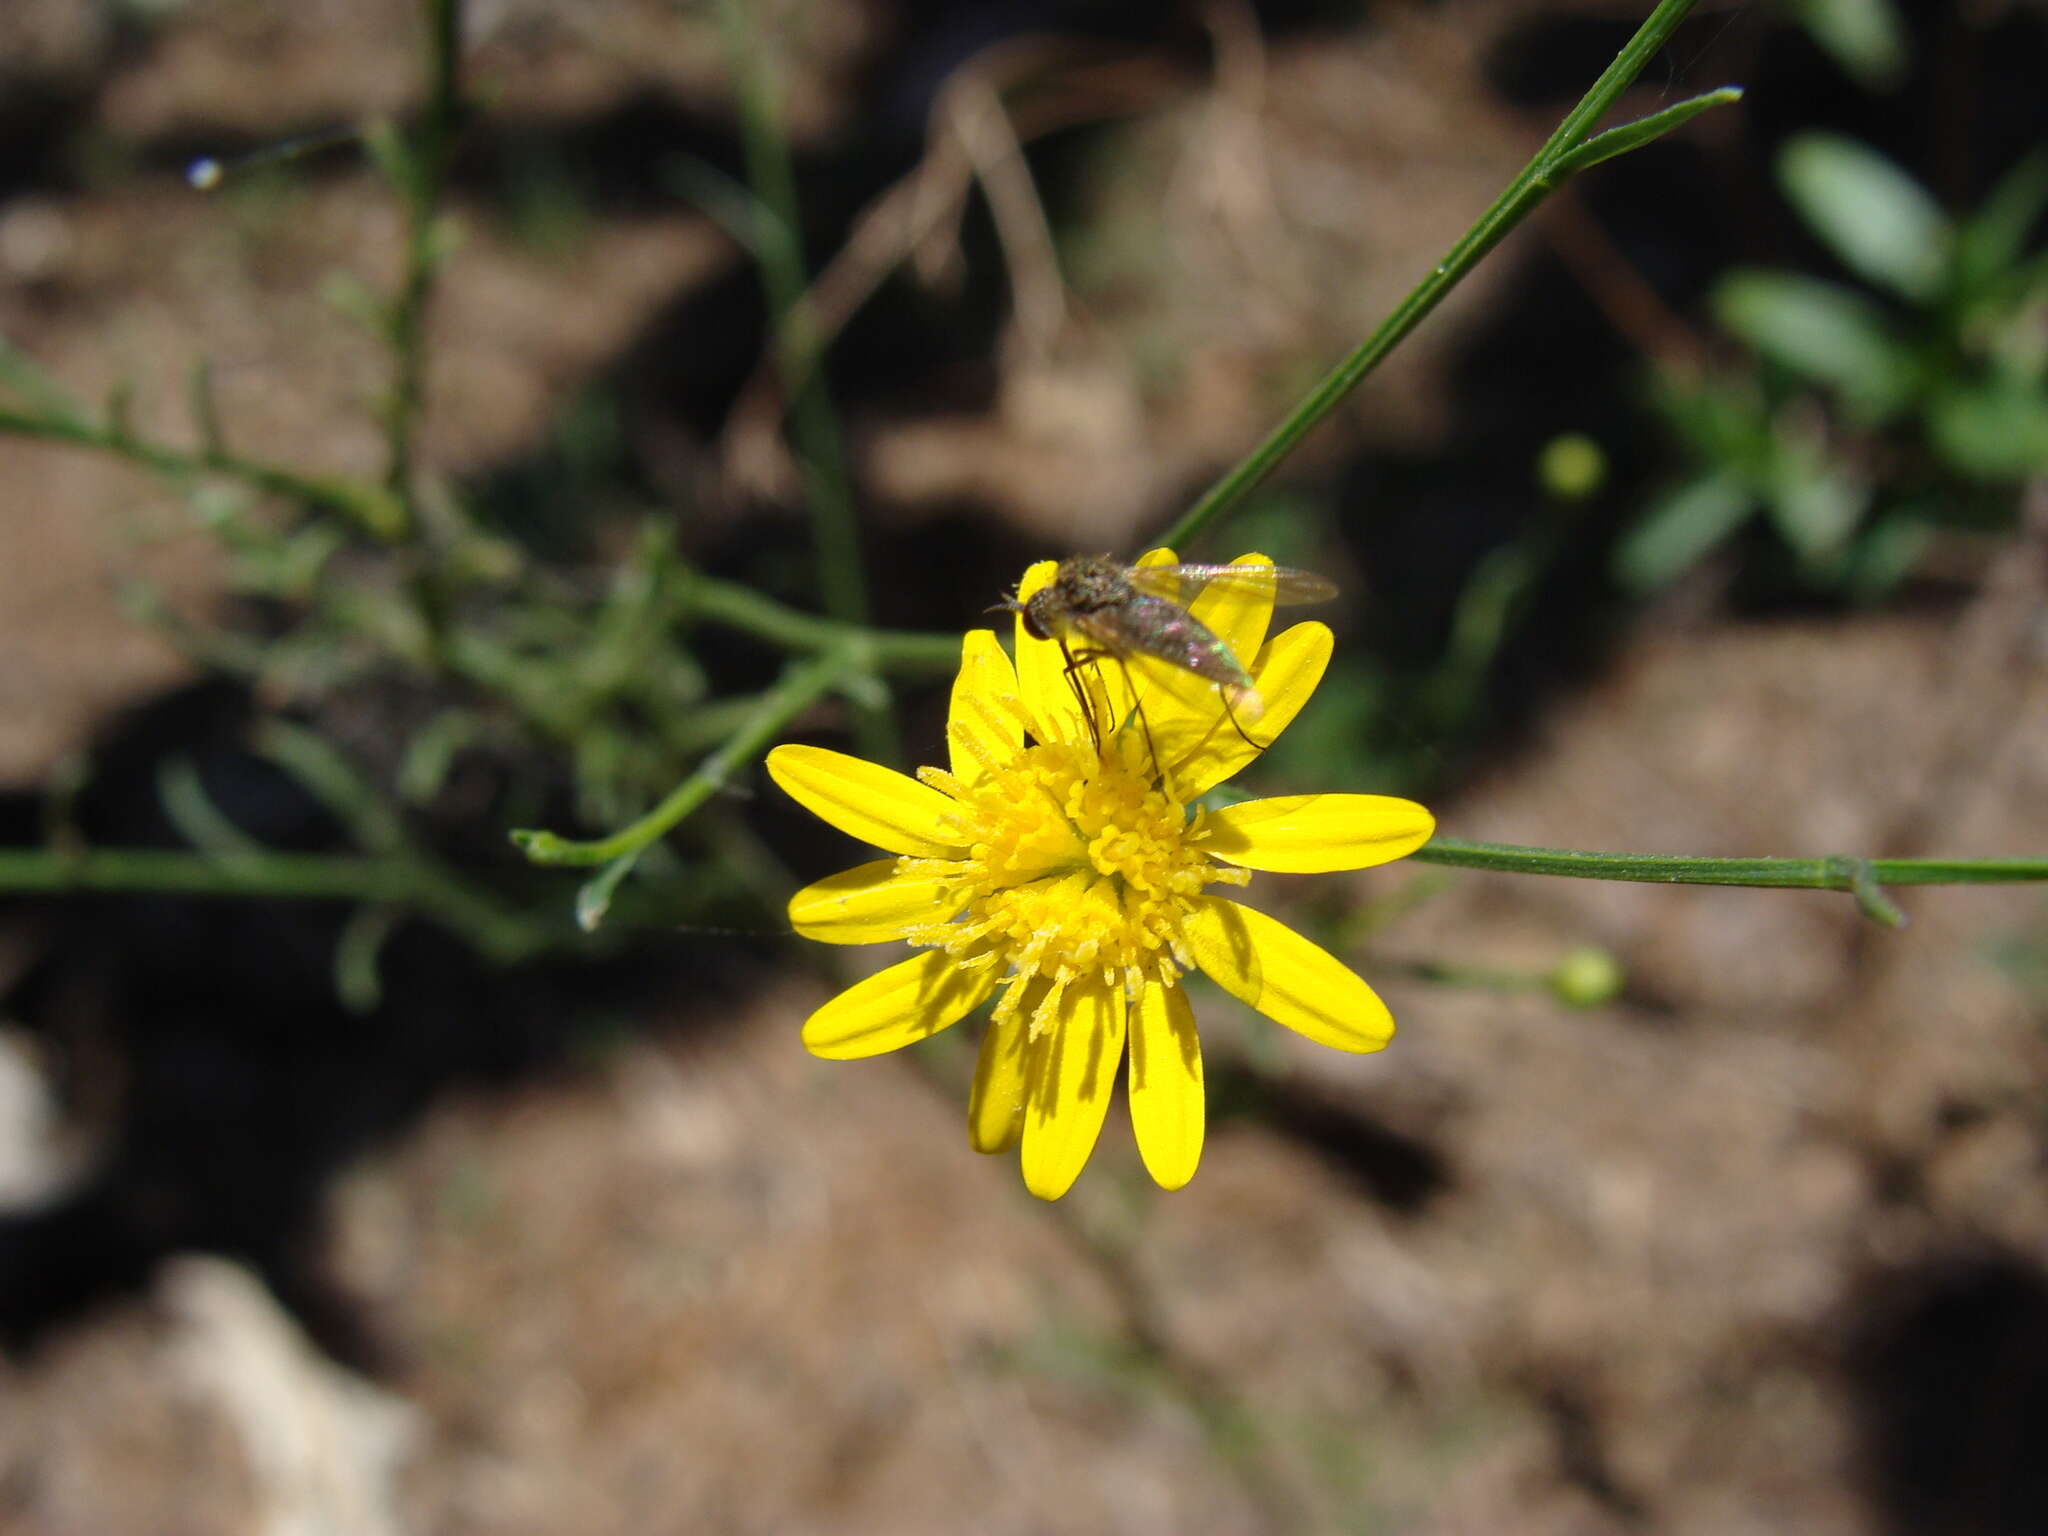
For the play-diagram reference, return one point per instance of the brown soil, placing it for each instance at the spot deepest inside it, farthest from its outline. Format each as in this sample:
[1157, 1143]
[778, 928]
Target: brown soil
[719, 1285]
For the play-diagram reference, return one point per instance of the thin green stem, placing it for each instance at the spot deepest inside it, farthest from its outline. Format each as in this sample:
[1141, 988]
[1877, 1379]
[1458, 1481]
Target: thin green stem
[891, 650]
[801, 686]
[397, 881]
[1864, 879]
[779, 247]
[426, 175]
[814, 425]
[1547, 171]
[369, 507]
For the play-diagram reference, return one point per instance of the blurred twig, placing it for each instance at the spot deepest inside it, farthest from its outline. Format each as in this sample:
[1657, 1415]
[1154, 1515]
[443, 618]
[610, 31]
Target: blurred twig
[828, 489]
[423, 176]
[368, 507]
[498, 931]
[1619, 290]
[914, 220]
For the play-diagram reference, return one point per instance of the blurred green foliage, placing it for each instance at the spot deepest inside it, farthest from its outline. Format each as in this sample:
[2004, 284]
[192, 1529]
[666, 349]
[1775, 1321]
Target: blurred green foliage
[1865, 417]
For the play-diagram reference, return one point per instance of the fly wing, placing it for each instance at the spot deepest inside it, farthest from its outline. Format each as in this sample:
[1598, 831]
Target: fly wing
[1165, 631]
[1283, 583]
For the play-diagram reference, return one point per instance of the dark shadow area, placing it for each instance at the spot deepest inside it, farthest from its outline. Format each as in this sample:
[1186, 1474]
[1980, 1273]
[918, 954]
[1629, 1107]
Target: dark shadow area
[1394, 1168]
[1545, 361]
[202, 1044]
[1582, 1455]
[1947, 1367]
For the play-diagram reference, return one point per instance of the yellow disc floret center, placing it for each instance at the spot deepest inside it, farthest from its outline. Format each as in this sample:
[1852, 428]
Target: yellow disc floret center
[1077, 863]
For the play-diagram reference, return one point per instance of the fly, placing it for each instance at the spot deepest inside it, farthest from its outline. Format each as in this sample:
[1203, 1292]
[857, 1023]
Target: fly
[1096, 606]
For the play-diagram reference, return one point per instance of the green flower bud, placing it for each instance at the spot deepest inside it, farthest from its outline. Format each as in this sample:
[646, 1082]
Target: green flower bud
[1571, 467]
[1587, 977]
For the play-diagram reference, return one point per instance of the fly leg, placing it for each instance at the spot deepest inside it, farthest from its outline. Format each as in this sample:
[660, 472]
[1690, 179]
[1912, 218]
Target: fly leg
[1138, 704]
[1072, 673]
[1076, 660]
[1230, 713]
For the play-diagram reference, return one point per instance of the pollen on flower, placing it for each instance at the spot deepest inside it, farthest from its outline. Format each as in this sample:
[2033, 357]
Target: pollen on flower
[1078, 863]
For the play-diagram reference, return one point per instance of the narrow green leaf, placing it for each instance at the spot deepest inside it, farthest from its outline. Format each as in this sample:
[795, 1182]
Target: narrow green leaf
[356, 979]
[1822, 332]
[1679, 530]
[1860, 877]
[1883, 556]
[1814, 504]
[1644, 130]
[1865, 37]
[1995, 432]
[432, 751]
[1876, 218]
[1723, 420]
[1994, 238]
[191, 810]
[393, 156]
[594, 899]
[325, 772]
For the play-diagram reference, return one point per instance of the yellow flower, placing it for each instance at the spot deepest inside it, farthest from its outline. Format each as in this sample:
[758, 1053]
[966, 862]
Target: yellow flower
[1068, 880]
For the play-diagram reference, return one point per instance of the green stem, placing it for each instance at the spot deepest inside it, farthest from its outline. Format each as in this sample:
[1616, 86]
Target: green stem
[779, 247]
[399, 882]
[426, 177]
[801, 686]
[1548, 170]
[1862, 878]
[742, 608]
[369, 507]
[814, 425]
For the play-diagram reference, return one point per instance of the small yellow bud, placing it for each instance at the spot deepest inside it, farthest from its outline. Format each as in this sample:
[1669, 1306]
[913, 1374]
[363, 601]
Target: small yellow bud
[1587, 977]
[1571, 467]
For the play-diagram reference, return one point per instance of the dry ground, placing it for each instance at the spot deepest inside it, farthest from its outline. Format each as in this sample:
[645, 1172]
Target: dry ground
[715, 1284]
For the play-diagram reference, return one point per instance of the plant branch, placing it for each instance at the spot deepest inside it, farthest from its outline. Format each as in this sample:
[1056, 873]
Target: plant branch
[425, 176]
[742, 608]
[397, 881]
[801, 686]
[1566, 151]
[1865, 879]
[369, 507]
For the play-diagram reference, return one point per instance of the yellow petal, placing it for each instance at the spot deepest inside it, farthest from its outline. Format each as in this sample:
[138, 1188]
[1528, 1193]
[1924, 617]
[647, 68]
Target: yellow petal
[1049, 705]
[1313, 834]
[995, 1106]
[865, 800]
[1052, 708]
[1262, 962]
[1166, 1085]
[1072, 1070]
[984, 726]
[1285, 674]
[908, 1002]
[872, 904]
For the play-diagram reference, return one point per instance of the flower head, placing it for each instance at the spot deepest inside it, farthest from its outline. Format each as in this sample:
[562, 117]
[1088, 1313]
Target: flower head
[1059, 865]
